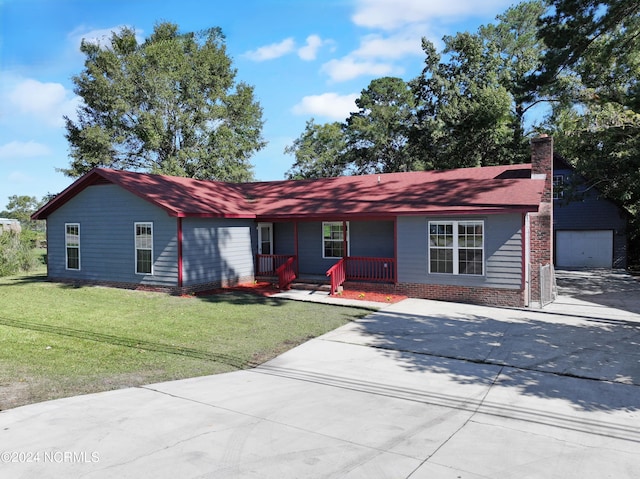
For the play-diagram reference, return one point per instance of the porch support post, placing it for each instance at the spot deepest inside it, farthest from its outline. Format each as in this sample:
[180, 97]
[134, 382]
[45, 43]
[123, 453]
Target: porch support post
[295, 246]
[179, 252]
[344, 239]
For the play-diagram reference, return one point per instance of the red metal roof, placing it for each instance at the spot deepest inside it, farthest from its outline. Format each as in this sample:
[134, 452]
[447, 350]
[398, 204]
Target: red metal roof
[465, 191]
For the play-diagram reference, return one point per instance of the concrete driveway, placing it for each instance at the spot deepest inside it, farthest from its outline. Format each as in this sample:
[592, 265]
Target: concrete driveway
[420, 389]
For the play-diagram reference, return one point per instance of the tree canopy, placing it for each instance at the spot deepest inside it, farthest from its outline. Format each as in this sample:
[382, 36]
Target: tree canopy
[21, 207]
[467, 108]
[373, 139]
[593, 67]
[319, 152]
[477, 101]
[170, 105]
[475, 95]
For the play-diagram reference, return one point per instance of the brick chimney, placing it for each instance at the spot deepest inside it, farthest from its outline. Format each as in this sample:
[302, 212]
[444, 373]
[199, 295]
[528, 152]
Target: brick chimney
[541, 223]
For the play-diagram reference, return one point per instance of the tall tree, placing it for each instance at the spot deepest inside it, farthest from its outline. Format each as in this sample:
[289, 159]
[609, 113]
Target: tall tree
[320, 152]
[169, 105]
[21, 207]
[595, 45]
[374, 139]
[378, 133]
[574, 31]
[476, 94]
[593, 64]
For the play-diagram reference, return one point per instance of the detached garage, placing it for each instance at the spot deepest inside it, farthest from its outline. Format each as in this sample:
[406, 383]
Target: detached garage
[590, 231]
[584, 249]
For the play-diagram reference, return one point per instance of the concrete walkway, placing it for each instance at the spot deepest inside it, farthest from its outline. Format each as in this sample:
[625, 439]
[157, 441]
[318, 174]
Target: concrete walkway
[420, 389]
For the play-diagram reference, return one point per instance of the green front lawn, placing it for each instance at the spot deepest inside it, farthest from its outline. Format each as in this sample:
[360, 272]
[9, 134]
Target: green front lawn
[58, 340]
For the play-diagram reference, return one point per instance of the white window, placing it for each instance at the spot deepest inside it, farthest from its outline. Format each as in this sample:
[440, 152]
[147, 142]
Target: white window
[144, 248]
[333, 239]
[558, 185]
[456, 247]
[72, 245]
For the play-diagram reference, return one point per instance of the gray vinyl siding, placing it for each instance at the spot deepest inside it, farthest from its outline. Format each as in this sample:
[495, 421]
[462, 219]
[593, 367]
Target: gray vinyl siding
[283, 238]
[373, 239]
[502, 250]
[367, 238]
[107, 214]
[217, 249]
[589, 211]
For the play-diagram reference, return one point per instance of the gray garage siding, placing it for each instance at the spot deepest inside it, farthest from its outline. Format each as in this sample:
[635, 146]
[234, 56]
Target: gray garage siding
[217, 250]
[107, 214]
[503, 253]
[592, 212]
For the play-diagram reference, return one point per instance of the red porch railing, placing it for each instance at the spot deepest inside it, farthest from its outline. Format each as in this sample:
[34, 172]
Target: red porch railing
[337, 274]
[286, 273]
[267, 264]
[359, 268]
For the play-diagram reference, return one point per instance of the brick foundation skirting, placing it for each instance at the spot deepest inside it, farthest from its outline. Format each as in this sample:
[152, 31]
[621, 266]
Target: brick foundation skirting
[459, 294]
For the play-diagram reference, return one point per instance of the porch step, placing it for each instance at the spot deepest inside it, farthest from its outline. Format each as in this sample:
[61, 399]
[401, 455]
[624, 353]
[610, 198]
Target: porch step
[311, 285]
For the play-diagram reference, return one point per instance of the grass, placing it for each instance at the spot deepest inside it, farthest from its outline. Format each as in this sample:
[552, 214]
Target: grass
[58, 340]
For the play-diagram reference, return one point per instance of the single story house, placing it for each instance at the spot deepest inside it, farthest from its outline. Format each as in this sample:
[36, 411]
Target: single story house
[590, 231]
[480, 235]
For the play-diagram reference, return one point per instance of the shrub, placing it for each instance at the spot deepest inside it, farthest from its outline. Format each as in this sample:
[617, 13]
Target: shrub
[16, 253]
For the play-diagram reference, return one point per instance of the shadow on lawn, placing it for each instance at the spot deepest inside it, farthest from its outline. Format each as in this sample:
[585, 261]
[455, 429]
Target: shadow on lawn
[134, 343]
[239, 298]
[24, 279]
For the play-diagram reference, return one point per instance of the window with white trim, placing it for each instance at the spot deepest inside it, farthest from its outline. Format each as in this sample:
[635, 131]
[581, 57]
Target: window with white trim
[558, 185]
[144, 248]
[456, 247]
[333, 239]
[72, 245]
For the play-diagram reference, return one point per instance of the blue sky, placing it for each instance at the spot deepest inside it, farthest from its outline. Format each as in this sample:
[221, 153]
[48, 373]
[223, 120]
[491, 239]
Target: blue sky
[305, 58]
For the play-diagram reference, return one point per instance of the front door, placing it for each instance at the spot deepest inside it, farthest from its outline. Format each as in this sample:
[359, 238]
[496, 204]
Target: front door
[265, 246]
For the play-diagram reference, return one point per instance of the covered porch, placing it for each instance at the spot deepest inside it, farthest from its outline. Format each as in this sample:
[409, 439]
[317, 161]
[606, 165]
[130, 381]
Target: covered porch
[333, 250]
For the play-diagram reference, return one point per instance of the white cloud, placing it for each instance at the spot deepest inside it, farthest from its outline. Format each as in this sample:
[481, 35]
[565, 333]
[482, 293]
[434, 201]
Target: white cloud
[102, 36]
[390, 15]
[331, 105]
[49, 102]
[18, 149]
[275, 50]
[310, 50]
[350, 67]
[19, 177]
[396, 46]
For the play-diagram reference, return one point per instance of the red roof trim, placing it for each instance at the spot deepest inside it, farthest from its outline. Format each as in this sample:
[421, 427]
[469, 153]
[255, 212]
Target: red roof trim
[467, 191]
[386, 216]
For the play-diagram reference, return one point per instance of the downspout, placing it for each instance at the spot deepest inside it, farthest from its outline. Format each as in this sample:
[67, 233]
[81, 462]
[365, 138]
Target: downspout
[179, 252]
[526, 259]
[295, 247]
[395, 249]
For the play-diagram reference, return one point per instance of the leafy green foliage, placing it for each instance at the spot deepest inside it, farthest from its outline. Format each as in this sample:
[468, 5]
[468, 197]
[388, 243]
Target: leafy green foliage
[475, 95]
[21, 207]
[378, 133]
[593, 67]
[169, 105]
[468, 108]
[319, 152]
[17, 253]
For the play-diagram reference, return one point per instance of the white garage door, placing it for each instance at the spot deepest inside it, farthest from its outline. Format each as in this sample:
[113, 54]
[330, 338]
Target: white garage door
[584, 249]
